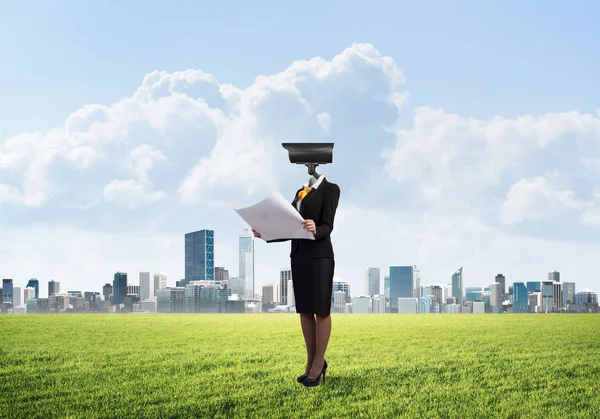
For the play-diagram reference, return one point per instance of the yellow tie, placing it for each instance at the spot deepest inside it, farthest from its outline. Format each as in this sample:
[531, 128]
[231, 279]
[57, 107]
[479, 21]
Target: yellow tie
[303, 193]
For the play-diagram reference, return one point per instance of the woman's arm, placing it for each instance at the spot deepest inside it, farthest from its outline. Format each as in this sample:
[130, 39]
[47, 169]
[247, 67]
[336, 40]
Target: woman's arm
[330, 205]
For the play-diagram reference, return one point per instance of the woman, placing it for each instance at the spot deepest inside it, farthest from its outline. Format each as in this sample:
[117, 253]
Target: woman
[313, 264]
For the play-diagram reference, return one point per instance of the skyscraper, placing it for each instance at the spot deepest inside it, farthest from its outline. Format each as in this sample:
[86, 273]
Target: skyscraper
[35, 284]
[457, 286]
[119, 288]
[568, 292]
[7, 291]
[107, 290]
[53, 287]
[17, 297]
[146, 287]
[521, 298]
[401, 285]
[496, 297]
[247, 262]
[285, 275]
[221, 274]
[372, 281]
[199, 256]
[554, 276]
[160, 282]
[416, 282]
[386, 286]
[500, 279]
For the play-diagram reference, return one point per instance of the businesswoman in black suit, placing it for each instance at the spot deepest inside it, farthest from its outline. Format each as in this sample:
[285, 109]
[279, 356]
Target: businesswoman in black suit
[313, 264]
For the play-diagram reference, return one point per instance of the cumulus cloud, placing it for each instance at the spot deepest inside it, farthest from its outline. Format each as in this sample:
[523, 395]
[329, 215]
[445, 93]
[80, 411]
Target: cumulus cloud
[220, 138]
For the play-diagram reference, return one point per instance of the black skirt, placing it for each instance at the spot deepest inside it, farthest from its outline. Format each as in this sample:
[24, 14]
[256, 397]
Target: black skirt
[313, 282]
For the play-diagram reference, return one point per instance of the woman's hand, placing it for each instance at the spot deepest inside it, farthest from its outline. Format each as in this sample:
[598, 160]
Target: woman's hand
[310, 226]
[256, 233]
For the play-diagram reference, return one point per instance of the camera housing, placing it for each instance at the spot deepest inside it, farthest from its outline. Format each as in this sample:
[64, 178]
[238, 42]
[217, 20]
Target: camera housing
[310, 154]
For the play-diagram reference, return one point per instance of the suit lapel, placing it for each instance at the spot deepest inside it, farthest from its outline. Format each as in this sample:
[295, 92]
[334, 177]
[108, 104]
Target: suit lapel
[310, 195]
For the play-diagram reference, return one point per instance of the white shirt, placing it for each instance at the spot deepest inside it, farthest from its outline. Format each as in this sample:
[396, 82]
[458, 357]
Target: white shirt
[315, 186]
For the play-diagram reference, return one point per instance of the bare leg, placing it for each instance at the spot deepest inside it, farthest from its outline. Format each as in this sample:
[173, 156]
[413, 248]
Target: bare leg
[309, 330]
[323, 333]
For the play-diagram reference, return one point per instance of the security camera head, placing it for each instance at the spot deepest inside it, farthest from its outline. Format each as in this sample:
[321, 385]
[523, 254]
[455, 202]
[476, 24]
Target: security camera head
[310, 153]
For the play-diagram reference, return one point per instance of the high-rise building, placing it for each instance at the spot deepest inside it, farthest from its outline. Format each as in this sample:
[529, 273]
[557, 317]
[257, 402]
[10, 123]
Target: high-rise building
[267, 293]
[557, 294]
[500, 279]
[438, 294]
[521, 298]
[416, 282]
[457, 285]
[568, 293]
[386, 286]
[133, 289]
[547, 296]
[341, 286]
[28, 294]
[236, 285]
[339, 301]
[473, 294]
[401, 285]
[35, 284]
[53, 287]
[17, 297]
[372, 281]
[221, 274]
[119, 288]
[291, 298]
[534, 286]
[107, 291]
[496, 297]
[7, 291]
[160, 282]
[285, 275]
[554, 276]
[146, 287]
[246, 255]
[199, 256]
[276, 292]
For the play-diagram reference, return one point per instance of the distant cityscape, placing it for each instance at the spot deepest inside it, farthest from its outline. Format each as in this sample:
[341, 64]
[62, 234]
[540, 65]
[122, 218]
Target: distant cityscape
[209, 289]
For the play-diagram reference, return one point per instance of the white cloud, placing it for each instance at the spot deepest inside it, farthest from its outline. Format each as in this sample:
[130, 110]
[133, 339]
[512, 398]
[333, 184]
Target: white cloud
[536, 199]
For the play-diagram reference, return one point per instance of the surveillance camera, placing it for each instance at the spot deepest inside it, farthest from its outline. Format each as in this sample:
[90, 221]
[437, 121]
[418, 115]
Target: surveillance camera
[310, 153]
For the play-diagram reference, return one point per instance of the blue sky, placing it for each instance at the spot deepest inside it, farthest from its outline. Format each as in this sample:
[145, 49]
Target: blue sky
[468, 182]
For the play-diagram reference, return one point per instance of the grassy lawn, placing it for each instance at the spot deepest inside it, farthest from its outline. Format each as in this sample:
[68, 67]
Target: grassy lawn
[244, 365]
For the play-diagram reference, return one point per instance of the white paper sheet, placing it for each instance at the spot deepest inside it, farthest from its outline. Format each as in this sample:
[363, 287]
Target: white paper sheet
[275, 218]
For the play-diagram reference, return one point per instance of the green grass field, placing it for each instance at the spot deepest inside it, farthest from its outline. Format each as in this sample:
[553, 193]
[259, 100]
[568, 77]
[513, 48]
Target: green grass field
[221, 366]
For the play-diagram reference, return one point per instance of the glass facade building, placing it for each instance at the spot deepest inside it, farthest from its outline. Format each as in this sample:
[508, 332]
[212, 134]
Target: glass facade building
[119, 288]
[521, 298]
[7, 291]
[199, 256]
[473, 294]
[534, 286]
[246, 258]
[35, 284]
[401, 285]
[457, 286]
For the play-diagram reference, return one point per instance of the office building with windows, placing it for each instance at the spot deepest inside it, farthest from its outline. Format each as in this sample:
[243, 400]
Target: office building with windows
[246, 260]
[199, 256]
[401, 285]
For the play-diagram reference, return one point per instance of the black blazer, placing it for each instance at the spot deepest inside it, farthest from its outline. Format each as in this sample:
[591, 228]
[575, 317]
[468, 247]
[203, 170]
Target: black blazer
[320, 206]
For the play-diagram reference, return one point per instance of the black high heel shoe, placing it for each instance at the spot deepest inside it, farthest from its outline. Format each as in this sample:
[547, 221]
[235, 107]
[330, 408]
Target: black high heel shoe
[308, 382]
[303, 377]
